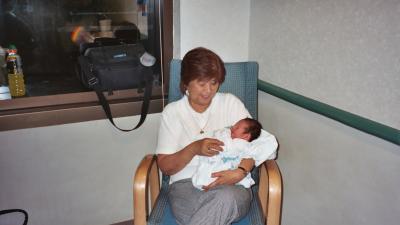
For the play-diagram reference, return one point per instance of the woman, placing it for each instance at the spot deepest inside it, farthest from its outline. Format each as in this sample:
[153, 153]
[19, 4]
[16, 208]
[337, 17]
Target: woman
[180, 142]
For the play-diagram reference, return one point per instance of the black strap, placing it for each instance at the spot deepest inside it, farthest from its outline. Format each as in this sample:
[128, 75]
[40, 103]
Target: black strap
[14, 211]
[93, 82]
[145, 104]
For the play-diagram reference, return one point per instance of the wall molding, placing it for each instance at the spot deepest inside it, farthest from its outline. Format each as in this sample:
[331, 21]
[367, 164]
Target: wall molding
[360, 123]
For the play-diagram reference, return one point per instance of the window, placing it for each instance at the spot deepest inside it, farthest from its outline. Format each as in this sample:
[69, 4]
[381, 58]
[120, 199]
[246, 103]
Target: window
[49, 35]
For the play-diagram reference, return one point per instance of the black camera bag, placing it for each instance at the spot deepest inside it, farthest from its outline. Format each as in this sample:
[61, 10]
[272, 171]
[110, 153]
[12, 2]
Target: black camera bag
[116, 67]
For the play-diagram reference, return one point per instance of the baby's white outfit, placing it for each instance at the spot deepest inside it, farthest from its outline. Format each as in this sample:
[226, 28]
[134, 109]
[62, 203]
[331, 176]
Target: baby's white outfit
[234, 151]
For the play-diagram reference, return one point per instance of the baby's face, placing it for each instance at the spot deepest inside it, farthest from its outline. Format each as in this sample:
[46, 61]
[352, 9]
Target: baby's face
[239, 131]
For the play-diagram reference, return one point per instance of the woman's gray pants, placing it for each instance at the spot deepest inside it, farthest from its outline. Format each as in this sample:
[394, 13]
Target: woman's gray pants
[221, 205]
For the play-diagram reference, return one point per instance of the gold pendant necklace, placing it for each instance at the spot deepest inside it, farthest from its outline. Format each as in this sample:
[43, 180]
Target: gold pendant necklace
[196, 118]
[204, 127]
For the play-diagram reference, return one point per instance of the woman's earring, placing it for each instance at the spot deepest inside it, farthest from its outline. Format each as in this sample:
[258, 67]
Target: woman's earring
[187, 92]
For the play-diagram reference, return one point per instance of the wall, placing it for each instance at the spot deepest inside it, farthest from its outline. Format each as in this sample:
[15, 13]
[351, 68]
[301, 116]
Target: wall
[82, 173]
[343, 53]
[332, 174]
[74, 174]
[346, 54]
[221, 26]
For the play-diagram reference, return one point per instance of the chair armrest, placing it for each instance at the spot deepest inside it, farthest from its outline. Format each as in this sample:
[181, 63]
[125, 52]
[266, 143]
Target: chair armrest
[146, 177]
[270, 192]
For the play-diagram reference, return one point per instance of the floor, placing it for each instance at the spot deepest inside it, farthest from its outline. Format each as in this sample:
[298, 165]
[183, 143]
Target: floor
[128, 222]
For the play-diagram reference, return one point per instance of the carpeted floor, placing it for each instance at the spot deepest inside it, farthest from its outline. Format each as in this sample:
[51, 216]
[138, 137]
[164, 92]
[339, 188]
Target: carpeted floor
[129, 222]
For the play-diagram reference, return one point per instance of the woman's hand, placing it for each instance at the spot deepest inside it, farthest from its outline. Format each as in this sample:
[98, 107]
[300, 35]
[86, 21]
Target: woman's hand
[170, 164]
[229, 177]
[206, 147]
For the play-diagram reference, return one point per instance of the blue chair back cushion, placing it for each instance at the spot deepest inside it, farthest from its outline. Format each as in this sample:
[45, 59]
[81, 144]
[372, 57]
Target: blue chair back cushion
[240, 80]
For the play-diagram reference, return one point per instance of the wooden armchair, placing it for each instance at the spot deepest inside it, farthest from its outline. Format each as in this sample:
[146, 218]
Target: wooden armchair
[241, 80]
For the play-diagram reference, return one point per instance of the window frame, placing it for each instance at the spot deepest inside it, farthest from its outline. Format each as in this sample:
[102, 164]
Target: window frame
[40, 111]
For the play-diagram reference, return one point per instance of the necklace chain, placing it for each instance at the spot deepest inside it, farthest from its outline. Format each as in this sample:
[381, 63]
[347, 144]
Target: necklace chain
[197, 122]
[199, 116]
[202, 129]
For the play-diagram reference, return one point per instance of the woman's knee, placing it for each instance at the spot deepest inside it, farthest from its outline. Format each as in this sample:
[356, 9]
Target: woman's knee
[232, 194]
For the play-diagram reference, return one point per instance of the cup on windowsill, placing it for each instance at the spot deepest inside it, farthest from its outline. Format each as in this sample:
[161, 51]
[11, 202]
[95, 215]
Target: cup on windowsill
[108, 34]
[105, 25]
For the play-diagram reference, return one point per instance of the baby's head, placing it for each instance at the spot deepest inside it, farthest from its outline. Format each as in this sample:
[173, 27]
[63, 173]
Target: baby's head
[247, 129]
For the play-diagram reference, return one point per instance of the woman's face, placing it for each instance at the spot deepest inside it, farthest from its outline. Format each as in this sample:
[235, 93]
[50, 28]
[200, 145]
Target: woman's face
[201, 93]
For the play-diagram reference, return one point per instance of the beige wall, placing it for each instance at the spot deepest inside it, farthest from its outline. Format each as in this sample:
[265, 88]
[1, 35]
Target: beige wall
[74, 174]
[346, 54]
[332, 174]
[343, 53]
[220, 25]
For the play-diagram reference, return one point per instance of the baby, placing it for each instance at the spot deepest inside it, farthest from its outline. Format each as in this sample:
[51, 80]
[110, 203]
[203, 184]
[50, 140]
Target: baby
[237, 146]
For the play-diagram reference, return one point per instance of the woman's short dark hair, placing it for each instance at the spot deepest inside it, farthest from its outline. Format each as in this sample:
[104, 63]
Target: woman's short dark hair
[201, 63]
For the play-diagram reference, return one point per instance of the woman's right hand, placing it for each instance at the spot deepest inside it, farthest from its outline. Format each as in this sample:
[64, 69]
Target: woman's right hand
[173, 163]
[206, 147]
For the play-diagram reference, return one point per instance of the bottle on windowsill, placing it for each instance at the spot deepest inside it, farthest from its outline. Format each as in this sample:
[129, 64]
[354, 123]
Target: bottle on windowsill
[15, 75]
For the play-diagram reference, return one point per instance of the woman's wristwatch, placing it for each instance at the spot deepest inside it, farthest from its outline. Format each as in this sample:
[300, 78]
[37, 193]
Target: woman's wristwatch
[243, 169]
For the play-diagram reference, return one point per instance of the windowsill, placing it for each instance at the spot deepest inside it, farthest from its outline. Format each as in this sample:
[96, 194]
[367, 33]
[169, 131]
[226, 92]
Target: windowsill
[56, 109]
[32, 112]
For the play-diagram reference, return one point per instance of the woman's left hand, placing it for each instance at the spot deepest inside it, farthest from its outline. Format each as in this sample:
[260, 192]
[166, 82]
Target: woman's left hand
[229, 177]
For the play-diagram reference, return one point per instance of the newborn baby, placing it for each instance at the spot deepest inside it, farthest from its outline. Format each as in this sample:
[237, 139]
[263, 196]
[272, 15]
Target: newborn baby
[237, 146]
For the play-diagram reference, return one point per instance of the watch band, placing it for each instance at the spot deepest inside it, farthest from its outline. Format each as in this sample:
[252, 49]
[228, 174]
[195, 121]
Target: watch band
[243, 169]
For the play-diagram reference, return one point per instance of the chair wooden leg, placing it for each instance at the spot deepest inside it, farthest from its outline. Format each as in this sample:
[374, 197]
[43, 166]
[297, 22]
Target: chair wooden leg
[140, 189]
[270, 192]
[275, 193]
[154, 180]
[263, 189]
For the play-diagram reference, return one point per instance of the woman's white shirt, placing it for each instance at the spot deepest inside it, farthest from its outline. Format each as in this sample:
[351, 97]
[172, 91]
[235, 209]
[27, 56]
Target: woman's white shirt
[181, 125]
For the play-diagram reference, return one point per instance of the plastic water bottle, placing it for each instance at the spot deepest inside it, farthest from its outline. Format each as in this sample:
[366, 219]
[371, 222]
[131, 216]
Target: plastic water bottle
[16, 82]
